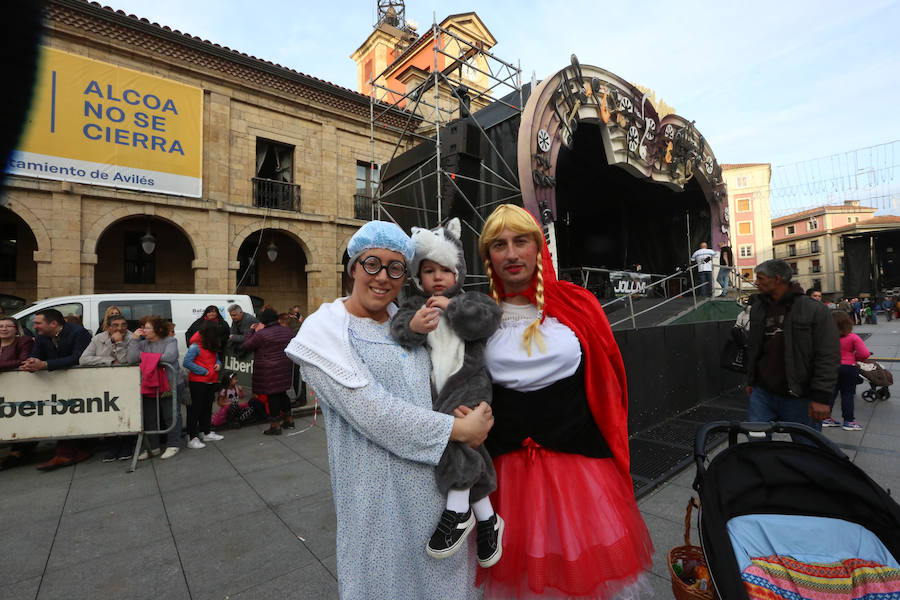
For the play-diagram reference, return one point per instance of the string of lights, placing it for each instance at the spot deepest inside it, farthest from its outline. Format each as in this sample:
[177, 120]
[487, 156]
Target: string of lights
[868, 175]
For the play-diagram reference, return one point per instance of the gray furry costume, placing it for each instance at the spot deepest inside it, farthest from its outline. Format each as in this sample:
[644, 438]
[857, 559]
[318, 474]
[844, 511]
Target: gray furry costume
[456, 347]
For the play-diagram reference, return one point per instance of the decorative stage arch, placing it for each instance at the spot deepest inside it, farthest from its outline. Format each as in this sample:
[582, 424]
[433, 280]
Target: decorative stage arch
[669, 150]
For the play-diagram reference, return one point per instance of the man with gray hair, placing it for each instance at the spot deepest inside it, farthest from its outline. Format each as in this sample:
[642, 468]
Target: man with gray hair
[109, 347]
[793, 351]
[240, 325]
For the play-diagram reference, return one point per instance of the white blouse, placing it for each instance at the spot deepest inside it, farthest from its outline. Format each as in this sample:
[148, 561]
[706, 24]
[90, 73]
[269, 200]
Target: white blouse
[509, 363]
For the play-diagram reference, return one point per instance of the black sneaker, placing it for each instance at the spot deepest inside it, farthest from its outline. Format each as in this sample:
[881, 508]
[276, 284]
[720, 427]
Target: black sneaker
[450, 533]
[112, 455]
[490, 541]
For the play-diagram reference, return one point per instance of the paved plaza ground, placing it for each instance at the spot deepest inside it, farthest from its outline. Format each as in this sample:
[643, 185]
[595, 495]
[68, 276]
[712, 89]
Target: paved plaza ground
[251, 517]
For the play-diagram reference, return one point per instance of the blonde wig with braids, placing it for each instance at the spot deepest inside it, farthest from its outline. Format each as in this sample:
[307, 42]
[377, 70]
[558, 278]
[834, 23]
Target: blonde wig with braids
[520, 221]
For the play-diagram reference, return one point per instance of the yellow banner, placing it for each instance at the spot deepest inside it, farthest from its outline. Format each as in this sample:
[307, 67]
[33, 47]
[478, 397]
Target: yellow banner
[97, 123]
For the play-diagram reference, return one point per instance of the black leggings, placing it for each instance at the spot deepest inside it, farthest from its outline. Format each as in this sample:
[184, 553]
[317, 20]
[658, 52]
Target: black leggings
[279, 403]
[199, 413]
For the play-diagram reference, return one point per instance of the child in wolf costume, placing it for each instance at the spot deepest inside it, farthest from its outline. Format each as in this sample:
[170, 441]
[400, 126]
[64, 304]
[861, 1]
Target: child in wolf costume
[455, 327]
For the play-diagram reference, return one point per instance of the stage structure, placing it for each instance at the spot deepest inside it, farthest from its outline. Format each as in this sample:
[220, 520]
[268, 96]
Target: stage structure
[872, 263]
[618, 189]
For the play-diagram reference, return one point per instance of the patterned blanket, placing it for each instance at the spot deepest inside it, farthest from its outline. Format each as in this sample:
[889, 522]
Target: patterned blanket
[783, 578]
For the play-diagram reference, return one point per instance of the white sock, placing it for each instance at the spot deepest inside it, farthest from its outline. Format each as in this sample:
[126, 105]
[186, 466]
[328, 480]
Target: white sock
[458, 500]
[483, 509]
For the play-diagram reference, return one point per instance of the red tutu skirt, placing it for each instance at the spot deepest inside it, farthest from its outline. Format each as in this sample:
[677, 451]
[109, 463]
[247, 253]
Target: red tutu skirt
[573, 528]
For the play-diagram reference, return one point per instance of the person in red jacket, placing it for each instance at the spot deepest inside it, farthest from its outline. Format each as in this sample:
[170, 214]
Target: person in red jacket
[204, 367]
[272, 369]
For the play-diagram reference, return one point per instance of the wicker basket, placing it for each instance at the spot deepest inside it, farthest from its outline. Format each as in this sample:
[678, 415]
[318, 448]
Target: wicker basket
[680, 589]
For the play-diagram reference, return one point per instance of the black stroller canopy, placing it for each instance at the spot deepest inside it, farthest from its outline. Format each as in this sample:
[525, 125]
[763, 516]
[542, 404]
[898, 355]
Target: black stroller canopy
[785, 478]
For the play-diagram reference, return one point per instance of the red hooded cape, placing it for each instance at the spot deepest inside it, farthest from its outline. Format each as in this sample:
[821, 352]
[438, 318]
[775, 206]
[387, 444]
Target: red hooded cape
[604, 371]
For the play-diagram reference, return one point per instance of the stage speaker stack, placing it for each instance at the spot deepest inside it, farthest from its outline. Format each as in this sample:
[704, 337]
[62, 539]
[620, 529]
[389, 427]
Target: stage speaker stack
[461, 160]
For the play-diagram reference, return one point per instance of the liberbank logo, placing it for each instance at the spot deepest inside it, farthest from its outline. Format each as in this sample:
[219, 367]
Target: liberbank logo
[58, 406]
[97, 123]
[74, 402]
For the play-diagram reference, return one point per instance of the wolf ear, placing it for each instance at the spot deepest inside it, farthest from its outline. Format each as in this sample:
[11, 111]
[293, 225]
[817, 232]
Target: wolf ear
[454, 227]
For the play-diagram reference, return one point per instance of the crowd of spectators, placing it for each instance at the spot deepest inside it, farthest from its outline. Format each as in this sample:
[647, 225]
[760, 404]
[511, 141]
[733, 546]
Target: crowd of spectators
[863, 311]
[61, 342]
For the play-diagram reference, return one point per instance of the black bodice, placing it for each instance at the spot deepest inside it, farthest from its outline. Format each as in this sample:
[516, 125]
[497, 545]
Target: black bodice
[556, 417]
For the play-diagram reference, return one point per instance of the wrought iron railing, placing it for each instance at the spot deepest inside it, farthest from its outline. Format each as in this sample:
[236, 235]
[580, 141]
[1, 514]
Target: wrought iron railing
[798, 252]
[362, 206]
[280, 195]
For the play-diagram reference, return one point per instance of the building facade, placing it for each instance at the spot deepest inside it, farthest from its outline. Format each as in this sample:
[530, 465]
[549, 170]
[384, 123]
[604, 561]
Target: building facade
[279, 159]
[748, 208]
[395, 60]
[810, 242]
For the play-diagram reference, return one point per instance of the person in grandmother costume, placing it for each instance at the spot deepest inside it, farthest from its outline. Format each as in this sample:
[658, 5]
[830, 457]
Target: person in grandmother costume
[384, 439]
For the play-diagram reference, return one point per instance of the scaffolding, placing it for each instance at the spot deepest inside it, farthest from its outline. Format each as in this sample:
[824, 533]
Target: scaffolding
[441, 99]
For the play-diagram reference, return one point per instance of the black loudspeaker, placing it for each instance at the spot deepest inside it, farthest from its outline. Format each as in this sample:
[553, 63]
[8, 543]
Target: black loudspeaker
[461, 161]
[461, 137]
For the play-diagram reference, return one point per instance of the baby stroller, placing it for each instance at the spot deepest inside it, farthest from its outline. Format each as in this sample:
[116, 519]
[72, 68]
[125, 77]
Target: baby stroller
[781, 519]
[879, 380]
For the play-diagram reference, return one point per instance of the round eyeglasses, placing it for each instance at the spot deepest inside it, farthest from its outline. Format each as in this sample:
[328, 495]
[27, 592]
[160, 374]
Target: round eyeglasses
[372, 265]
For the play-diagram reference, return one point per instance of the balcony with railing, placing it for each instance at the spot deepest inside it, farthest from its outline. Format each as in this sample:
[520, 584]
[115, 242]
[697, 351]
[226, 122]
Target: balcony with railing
[815, 269]
[796, 250]
[280, 195]
[362, 206]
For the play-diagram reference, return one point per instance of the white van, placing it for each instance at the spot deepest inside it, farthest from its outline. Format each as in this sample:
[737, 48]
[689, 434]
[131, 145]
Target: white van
[181, 309]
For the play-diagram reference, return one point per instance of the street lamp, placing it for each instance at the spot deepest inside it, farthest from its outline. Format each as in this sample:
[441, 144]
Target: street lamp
[148, 242]
[272, 251]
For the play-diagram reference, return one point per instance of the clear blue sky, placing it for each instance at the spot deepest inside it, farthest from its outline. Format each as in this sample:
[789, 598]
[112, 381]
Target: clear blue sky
[782, 82]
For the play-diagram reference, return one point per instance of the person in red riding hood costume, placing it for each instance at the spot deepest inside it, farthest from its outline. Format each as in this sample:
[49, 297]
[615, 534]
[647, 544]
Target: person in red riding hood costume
[560, 438]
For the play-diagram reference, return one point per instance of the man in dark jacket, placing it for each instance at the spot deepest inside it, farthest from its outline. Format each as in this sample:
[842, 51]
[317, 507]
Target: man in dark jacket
[58, 344]
[726, 264]
[794, 351]
[240, 325]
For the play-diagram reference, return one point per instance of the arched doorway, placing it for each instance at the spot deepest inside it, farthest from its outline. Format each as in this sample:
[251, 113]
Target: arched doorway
[18, 271]
[273, 268]
[124, 265]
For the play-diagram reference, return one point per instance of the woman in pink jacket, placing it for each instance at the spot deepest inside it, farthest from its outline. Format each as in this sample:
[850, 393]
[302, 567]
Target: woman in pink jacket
[852, 350]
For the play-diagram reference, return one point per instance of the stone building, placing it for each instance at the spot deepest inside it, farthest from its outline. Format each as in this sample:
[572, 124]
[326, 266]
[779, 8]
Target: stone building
[280, 156]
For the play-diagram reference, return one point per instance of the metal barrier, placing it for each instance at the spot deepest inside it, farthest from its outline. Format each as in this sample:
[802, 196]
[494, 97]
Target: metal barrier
[176, 414]
[77, 402]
